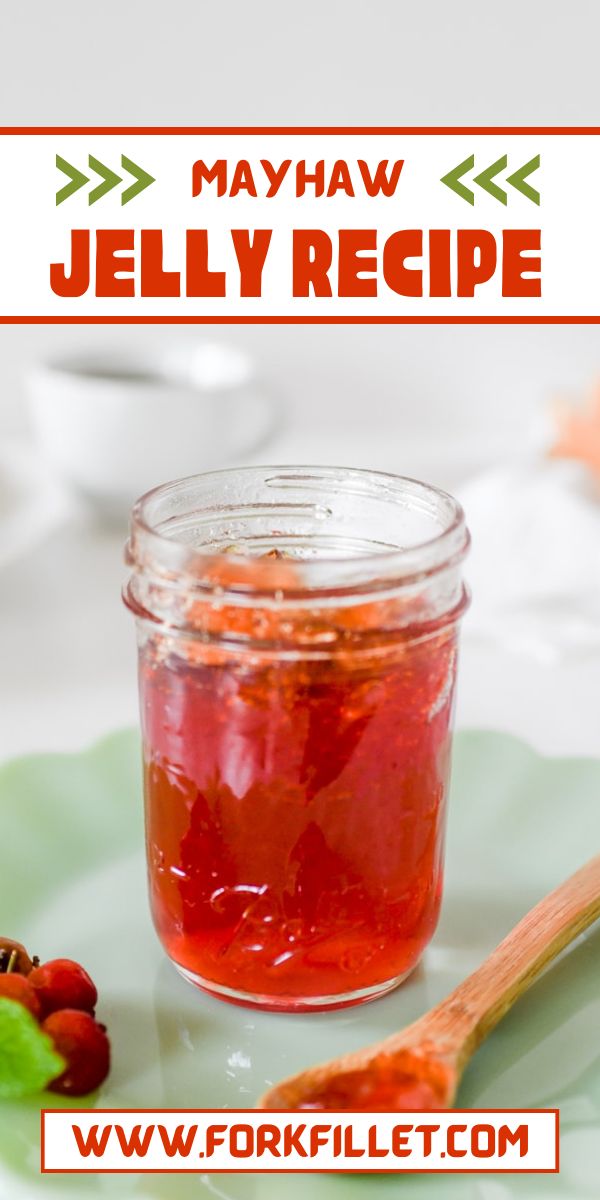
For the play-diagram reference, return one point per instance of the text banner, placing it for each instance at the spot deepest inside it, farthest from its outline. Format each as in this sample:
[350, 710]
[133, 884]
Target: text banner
[299, 225]
[249, 1140]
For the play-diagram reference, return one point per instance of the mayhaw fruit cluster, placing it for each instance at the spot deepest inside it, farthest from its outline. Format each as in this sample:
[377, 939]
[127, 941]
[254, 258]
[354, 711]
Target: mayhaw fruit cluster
[62, 998]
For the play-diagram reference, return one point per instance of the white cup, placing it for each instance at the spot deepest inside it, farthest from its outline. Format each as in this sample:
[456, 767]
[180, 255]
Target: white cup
[113, 426]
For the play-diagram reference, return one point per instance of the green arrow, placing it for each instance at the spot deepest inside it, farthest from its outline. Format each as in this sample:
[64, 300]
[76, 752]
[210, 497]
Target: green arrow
[110, 179]
[77, 179]
[142, 180]
[517, 179]
[452, 179]
[485, 180]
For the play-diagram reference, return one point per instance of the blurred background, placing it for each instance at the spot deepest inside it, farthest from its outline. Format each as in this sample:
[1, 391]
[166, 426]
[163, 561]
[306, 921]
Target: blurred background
[90, 416]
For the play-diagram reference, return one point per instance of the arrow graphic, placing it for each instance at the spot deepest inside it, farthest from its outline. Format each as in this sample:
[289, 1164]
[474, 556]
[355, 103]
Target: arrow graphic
[108, 179]
[452, 179]
[142, 178]
[77, 179]
[517, 179]
[485, 179]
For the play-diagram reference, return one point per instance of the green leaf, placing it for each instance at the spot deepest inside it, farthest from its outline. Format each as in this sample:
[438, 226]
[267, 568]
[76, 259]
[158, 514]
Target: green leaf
[28, 1060]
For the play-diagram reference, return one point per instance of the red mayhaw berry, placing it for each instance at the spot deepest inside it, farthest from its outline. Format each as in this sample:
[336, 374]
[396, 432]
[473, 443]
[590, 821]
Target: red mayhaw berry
[62, 983]
[83, 1044]
[17, 987]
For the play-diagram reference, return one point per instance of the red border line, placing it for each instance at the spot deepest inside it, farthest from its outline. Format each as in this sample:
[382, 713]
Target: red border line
[338, 130]
[322, 320]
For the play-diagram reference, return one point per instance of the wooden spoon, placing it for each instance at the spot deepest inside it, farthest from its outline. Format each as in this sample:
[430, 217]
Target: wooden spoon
[420, 1067]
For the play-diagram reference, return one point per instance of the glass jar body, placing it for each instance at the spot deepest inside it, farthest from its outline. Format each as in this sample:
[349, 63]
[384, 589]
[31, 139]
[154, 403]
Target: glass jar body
[296, 765]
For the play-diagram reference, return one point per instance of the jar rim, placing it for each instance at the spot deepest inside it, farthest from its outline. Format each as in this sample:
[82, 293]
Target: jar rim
[151, 549]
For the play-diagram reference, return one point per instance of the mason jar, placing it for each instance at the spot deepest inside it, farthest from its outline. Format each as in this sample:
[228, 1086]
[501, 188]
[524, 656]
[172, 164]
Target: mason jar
[298, 637]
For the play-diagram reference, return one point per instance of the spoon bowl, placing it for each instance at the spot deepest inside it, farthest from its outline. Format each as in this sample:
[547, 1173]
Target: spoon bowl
[386, 1078]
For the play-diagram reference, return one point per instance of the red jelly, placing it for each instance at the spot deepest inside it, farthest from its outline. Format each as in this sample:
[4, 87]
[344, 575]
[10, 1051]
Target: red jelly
[402, 1082]
[296, 712]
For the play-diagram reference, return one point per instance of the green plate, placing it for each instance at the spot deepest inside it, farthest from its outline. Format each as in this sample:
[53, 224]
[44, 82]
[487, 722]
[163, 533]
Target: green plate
[72, 883]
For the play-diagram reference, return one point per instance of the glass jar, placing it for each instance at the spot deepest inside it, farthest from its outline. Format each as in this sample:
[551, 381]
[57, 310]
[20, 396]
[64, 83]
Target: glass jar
[298, 636]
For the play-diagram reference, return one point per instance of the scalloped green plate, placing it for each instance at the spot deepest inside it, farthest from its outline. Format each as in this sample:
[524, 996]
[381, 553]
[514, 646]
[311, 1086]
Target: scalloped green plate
[72, 882]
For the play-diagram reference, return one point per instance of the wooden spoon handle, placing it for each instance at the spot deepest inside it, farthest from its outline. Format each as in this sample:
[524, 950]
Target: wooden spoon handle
[468, 1014]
